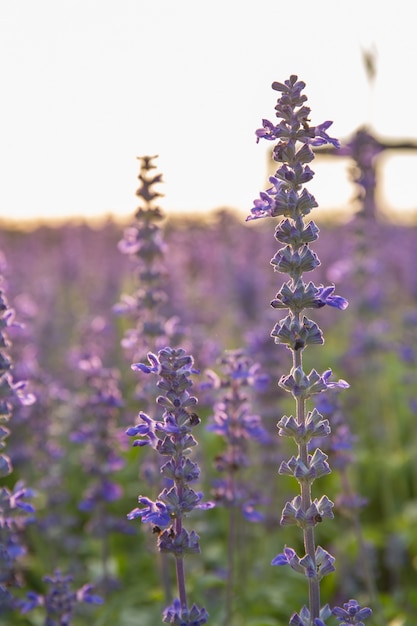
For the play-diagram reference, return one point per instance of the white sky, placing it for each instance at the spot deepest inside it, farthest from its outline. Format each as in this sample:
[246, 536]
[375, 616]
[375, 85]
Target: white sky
[88, 85]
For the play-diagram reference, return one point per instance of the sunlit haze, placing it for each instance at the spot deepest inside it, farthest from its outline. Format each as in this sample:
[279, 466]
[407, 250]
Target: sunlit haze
[88, 85]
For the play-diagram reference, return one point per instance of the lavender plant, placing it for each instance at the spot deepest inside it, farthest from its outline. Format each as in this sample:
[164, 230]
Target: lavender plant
[143, 242]
[37, 442]
[236, 423]
[15, 511]
[289, 200]
[152, 329]
[98, 431]
[171, 437]
[60, 601]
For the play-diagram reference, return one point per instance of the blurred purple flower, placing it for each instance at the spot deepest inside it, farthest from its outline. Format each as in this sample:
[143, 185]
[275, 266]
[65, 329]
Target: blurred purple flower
[234, 421]
[60, 600]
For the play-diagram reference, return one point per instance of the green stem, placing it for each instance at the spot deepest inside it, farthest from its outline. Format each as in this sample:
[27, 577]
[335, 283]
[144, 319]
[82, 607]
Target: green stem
[309, 539]
[179, 565]
[231, 551]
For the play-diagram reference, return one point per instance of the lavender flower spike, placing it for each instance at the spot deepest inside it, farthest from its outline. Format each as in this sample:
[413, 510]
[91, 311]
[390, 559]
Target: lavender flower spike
[289, 200]
[172, 437]
[15, 512]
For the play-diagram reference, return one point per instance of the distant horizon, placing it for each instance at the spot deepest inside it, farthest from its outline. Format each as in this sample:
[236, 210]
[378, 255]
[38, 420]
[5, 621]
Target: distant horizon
[90, 86]
[328, 210]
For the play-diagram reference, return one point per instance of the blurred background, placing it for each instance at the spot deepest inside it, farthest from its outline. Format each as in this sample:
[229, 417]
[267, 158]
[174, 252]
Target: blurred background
[90, 84]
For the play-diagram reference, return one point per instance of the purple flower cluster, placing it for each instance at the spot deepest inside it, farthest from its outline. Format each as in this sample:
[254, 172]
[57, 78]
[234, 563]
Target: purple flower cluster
[12, 393]
[60, 600]
[289, 200]
[234, 421]
[364, 149]
[15, 511]
[98, 430]
[351, 613]
[241, 429]
[144, 243]
[171, 436]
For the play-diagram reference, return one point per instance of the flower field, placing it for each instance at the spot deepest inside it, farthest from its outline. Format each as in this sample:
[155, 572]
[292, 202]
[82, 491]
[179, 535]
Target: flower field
[83, 506]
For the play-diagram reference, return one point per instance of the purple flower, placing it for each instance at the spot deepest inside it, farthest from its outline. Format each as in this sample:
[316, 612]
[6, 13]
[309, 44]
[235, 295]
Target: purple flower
[341, 384]
[15, 500]
[178, 615]
[142, 367]
[251, 514]
[153, 512]
[15, 512]
[321, 137]
[264, 206]
[60, 600]
[143, 241]
[268, 131]
[322, 564]
[98, 433]
[33, 600]
[351, 614]
[288, 557]
[145, 430]
[323, 297]
[101, 491]
[233, 421]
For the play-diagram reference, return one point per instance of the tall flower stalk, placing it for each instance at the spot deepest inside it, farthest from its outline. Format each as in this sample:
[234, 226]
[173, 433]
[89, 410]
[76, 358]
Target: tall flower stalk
[151, 328]
[143, 242]
[171, 437]
[234, 421]
[289, 200]
[97, 430]
[15, 511]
